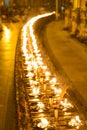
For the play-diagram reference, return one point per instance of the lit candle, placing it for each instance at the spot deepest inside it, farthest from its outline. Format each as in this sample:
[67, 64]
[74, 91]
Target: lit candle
[53, 80]
[40, 105]
[35, 91]
[30, 74]
[58, 91]
[75, 122]
[47, 78]
[66, 104]
[44, 67]
[43, 124]
[47, 74]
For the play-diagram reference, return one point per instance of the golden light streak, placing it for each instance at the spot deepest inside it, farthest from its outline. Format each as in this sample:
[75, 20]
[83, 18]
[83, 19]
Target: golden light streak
[7, 33]
[35, 65]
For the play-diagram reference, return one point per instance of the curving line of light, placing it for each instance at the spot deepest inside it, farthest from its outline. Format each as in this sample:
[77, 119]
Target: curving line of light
[30, 25]
[32, 21]
[34, 62]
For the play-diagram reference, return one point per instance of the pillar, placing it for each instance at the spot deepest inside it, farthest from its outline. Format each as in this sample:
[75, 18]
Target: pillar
[56, 9]
[75, 3]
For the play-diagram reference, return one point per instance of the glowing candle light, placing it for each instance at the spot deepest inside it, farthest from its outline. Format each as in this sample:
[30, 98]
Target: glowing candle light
[30, 74]
[44, 67]
[40, 63]
[26, 56]
[34, 62]
[35, 65]
[26, 62]
[7, 33]
[47, 78]
[35, 91]
[39, 59]
[43, 124]
[29, 67]
[31, 82]
[58, 91]
[53, 80]
[47, 73]
[75, 122]
[66, 104]
[40, 106]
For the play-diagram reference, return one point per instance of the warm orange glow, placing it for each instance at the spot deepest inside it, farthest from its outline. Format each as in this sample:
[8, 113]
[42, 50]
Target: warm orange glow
[66, 104]
[7, 33]
[43, 124]
[76, 3]
[75, 122]
[35, 91]
[39, 75]
[40, 105]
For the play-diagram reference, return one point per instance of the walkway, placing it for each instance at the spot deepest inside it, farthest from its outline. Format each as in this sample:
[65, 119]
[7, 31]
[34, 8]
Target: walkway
[70, 55]
[8, 40]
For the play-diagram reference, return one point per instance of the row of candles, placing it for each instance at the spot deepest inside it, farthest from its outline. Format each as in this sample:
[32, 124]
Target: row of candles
[40, 78]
